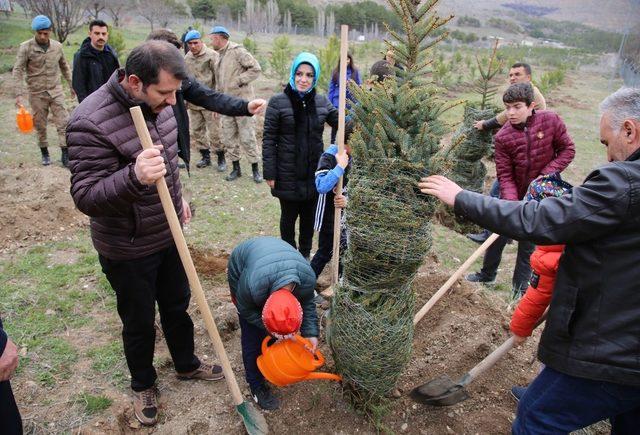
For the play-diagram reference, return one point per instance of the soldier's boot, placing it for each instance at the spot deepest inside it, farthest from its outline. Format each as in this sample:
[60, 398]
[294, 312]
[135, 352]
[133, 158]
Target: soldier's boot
[235, 173]
[46, 160]
[256, 173]
[222, 163]
[64, 158]
[205, 160]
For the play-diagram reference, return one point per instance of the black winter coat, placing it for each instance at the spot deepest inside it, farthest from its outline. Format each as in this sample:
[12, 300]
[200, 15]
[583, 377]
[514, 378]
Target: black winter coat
[92, 68]
[593, 327]
[291, 150]
[196, 93]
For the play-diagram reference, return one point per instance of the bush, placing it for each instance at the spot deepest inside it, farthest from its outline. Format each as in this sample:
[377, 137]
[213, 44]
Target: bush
[469, 21]
[116, 41]
[551, 80]
[328, 57]
[250, 45]
[574, 34]
[280, 60]
[506, 25]
[367, 12]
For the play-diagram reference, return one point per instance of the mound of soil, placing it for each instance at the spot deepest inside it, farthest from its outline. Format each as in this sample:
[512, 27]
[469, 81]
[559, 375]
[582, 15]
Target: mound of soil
[461, 330]
[36, 206]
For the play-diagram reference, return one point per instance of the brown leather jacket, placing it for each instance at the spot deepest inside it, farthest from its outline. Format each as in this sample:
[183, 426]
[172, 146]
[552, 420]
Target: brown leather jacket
[127, 220]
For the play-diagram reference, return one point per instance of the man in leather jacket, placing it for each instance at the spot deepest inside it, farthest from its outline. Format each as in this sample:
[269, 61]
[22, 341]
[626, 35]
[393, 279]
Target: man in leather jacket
[591, 341]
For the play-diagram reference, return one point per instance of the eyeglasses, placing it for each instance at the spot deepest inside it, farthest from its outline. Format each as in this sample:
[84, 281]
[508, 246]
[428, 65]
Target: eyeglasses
[307, 75]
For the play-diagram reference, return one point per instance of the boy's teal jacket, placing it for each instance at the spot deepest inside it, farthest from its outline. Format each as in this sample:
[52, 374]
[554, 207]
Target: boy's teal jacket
[258, 267]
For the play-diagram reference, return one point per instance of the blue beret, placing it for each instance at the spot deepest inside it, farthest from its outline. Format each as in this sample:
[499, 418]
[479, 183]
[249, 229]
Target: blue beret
[192, 34]
[41, 22]
[220, 30]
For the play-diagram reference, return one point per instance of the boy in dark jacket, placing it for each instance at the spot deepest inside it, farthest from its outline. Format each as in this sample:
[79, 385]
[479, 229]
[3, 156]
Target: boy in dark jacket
[331, 167]
[272, 287]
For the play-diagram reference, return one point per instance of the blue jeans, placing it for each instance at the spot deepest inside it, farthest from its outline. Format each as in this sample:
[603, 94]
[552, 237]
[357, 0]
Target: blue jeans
[556, 403]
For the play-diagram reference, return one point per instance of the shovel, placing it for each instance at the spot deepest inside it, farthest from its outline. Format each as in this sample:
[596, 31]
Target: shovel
[442, 391]
[254, 422]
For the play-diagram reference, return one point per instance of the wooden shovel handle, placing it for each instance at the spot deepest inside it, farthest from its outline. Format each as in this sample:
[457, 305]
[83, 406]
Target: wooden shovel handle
[495, 356]
[187, 262]
[447, 285]
[342, 104]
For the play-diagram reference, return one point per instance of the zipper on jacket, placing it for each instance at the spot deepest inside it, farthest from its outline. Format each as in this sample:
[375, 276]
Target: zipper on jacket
[526, 133]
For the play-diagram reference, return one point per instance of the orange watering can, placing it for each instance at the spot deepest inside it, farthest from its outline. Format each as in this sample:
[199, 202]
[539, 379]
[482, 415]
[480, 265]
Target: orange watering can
[289, 361]
[24, 120]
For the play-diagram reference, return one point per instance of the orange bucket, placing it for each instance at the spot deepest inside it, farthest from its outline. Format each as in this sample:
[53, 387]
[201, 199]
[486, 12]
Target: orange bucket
[24, 120]
[288, 361]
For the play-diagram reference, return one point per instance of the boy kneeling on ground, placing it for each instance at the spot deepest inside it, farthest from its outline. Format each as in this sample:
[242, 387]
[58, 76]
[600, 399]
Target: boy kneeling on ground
[272, 287]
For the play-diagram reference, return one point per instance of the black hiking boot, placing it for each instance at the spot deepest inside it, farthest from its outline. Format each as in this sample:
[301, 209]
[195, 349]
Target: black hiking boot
[222, 163]
[235, 173]
[256, 173]
[205, 160]
[64, 158]
[265, 398]
[46, 160]
[480, 237]
[481, 278]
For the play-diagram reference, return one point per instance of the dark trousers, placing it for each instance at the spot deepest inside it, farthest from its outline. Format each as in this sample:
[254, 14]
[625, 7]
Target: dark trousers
[325, 249]
[251, 338]
[289, 213]
[559, 403]
[334, 134]
[522, 270]
[138, 284]
[10, 421]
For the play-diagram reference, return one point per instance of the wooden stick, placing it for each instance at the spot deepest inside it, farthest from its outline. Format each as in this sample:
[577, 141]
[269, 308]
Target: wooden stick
[342, 104]
[187, 262]
[447, 285]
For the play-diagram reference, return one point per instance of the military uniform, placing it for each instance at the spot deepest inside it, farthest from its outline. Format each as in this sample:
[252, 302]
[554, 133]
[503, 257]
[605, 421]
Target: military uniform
[205, 129]
[235, 71]
[43, 68]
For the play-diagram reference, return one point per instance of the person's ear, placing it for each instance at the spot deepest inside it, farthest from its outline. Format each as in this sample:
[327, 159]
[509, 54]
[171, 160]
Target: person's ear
[135, 83]
[631, 130]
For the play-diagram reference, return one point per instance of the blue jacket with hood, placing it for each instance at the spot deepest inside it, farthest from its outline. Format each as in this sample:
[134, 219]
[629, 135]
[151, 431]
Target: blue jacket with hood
[292, 138]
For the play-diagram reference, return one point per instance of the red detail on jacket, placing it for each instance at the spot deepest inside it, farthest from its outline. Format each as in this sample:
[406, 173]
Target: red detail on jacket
[544, 263]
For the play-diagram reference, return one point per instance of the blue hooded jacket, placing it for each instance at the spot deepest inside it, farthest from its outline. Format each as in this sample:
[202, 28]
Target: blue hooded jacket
[312, 60]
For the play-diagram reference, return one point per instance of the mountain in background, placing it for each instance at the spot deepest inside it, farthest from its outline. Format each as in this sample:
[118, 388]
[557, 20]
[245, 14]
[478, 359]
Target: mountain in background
[612, 15]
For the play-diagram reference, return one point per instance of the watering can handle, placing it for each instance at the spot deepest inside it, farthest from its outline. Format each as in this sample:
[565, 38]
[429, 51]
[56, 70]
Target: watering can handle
[319, 358]
[323, 375]
[264, 343]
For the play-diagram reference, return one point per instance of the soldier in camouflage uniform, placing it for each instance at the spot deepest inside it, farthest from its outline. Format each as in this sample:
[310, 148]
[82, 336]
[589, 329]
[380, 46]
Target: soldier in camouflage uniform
[42, 59]
[235, 71]
[205, 125]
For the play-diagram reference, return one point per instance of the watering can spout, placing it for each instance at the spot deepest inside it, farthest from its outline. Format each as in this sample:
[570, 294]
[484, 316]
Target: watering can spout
[322, 375]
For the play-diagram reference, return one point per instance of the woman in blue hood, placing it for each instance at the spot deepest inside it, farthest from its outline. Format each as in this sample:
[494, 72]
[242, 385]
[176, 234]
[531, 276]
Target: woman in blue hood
[292, 145]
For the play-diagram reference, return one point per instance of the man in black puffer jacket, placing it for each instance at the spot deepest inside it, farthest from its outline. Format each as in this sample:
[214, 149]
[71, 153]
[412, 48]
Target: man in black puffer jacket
[94, 63]
[591, 342]
[291, 148]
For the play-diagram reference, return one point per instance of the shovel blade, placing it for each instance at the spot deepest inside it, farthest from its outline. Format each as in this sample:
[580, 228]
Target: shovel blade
[441, 391]
[253, 420]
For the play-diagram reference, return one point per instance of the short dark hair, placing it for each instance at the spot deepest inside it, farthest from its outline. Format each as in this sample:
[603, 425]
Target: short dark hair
[349, 127]
[165, 35]
[518, 92]
[98, 23]
[381, 69]
[526, 66]
[148, 58]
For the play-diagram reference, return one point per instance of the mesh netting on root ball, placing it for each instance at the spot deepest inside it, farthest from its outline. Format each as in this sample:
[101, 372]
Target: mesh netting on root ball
[465, 166]
[371, 338]
[389, 230]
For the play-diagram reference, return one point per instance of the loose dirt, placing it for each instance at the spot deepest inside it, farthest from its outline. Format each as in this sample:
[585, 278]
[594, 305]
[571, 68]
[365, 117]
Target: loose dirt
[461, 329]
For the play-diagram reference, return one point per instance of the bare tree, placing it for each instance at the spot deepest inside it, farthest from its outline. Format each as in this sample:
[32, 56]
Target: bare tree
[287, 21]
[331, 23]
[66, 15]
[273, 17]
[117, 8]
[94, 7]
[321, 21]
[160, 11]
